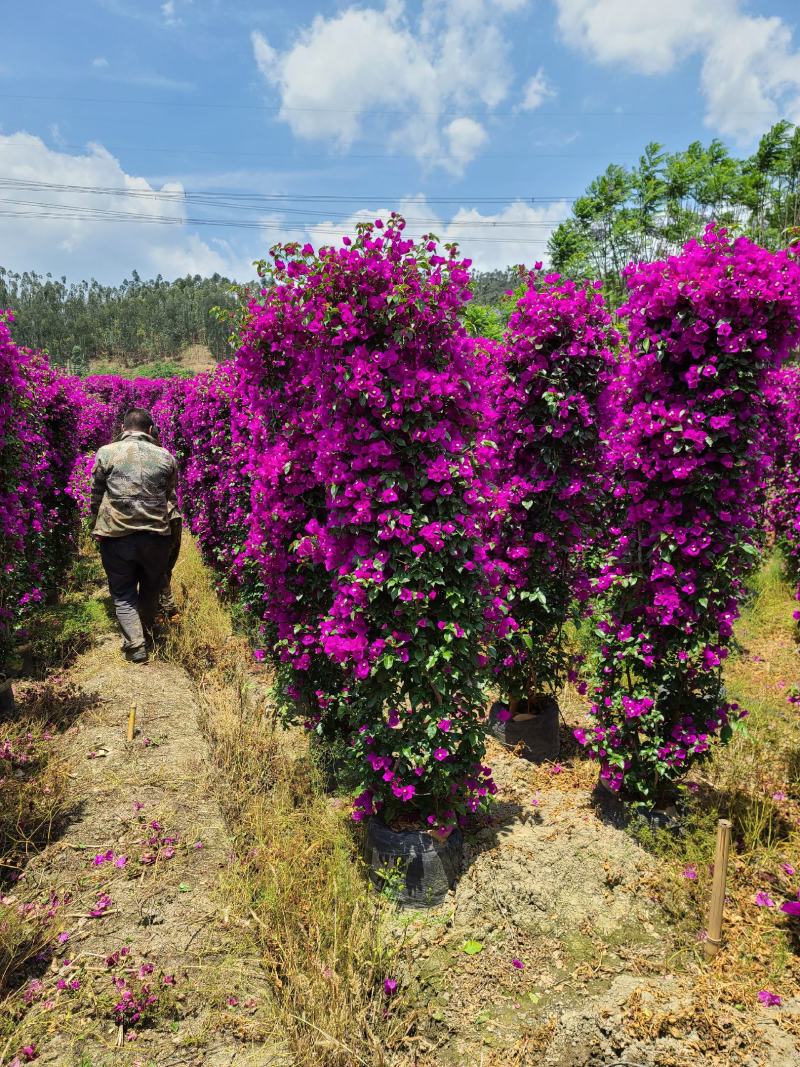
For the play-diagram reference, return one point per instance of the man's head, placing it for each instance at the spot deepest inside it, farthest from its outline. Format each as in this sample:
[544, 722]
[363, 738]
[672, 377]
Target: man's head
[138, 419]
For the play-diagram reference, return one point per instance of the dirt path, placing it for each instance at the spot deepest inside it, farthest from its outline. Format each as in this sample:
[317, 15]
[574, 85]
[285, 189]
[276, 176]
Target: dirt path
[145, 851]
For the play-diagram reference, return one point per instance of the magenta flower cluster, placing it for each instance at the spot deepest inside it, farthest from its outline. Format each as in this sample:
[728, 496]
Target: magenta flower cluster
[103, 402]
[558, 357]
[688, 447]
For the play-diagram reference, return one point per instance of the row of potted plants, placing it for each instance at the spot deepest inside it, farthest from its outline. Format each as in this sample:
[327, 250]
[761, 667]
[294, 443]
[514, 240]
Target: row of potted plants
[411, 515]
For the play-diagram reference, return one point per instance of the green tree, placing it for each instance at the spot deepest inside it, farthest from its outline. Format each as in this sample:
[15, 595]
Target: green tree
[649, 211]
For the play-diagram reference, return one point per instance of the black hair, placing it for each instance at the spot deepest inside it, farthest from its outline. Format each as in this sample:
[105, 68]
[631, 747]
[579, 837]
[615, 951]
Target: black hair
[138, 419]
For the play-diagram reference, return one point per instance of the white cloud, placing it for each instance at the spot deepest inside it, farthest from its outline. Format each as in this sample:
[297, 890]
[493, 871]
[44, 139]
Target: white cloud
[63, 231]
[751, 76]
[100, 63]
[170, 11]
[465, 137]
[750, 68]
[538, 89]
[516, 234]
[408, 73]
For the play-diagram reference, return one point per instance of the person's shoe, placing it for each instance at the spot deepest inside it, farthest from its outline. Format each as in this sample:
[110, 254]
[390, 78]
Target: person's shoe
[139, 655]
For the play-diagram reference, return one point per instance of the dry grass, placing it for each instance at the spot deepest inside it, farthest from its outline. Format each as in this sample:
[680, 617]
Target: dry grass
[296, 882]
[34, 804]
[754, 783]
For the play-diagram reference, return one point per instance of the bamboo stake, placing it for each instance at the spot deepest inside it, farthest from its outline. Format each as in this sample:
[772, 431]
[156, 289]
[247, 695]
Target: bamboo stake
[715, 909]
[131, 723]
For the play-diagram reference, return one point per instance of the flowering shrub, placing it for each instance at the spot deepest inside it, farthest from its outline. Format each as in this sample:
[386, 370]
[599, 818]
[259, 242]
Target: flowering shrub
[689, 449]
[363, 412]
[105, 399]
[79, 486]
[194, 421]
[38, 446]
[559, 357]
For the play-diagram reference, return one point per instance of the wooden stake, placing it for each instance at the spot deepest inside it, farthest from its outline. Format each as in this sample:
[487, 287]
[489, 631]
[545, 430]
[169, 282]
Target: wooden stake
[131, 723]
[715, 909]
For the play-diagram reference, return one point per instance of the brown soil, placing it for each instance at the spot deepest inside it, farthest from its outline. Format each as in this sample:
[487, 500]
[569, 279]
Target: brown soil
[552, 886]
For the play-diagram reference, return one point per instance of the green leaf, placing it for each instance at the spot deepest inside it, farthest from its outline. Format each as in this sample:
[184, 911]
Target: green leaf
[184, 888]
[472, 948]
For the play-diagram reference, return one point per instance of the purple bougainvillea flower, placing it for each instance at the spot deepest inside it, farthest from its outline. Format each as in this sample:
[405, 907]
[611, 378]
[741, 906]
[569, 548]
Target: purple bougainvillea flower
[770, 1000]
[444, 725]
[788, 869]
[791, 907]
[518, 964]
[690, 873]
[764, 900]
[390, 986]
[101, 906]
[440, 754]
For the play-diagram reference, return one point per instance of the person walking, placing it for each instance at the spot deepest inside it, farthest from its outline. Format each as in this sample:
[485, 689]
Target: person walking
[133, 499]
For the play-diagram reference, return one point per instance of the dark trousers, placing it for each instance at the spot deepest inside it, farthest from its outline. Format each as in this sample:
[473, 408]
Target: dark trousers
[135, 566]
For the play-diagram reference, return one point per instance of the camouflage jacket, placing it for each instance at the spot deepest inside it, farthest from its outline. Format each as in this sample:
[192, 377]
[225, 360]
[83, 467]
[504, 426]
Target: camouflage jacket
[133, 487]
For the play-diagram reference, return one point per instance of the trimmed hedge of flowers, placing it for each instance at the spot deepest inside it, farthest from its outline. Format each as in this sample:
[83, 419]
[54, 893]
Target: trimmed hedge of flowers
[39, 412]
[689, 449]
[358, 411]
[50, 427]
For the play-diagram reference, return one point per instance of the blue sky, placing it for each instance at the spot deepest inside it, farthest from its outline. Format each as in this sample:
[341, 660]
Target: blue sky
[170, 136]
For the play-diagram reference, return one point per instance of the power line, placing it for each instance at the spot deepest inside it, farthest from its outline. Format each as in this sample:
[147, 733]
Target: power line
[397, 112]
[210, 196]
[291, 157]
[52, 212]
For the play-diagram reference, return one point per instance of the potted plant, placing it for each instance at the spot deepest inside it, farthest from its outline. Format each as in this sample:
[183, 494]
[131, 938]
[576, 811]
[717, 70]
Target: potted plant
[689, 444]
[560, 354]
[385, 408]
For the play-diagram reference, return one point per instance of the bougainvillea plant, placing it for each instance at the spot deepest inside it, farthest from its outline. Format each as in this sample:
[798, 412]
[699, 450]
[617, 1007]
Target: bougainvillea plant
[689, 448]
[38, 446]
[559, 357]
[783, 395]
[365, 414]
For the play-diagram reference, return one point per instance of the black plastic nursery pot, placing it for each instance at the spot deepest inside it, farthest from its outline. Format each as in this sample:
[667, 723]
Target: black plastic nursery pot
[624, 810]
[419, 867]
[536, 732]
